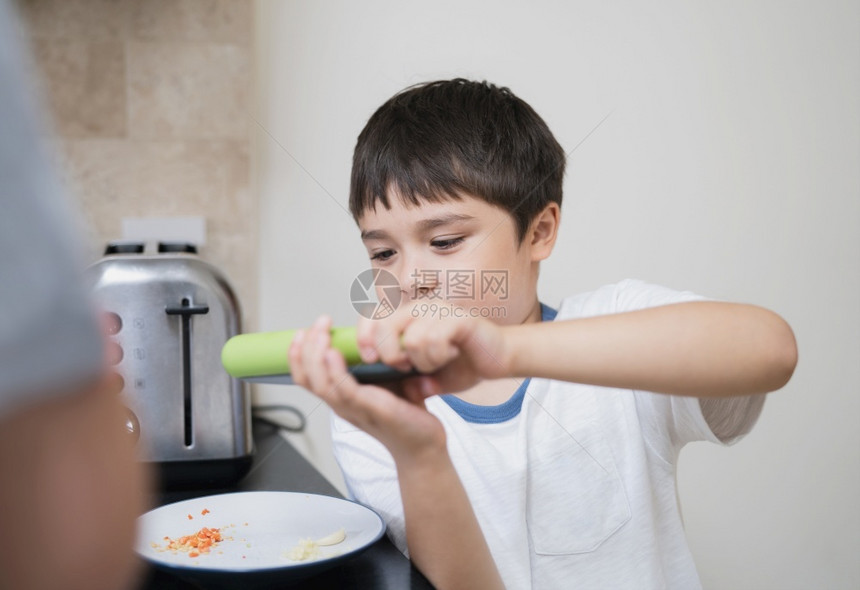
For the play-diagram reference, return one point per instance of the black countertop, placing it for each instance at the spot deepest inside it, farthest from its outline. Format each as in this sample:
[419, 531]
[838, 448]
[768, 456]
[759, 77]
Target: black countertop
[279, 467]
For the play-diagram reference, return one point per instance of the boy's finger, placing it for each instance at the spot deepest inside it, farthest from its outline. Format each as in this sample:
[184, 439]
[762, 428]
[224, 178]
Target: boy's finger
[318, 341]
[343, 384]
[427, 345]
[365, 340]
[297, 370]
[347, 397]
[389, 345]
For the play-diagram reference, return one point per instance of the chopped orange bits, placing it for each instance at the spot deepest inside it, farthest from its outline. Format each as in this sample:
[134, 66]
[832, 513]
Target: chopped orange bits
[190, 517]
[205, 512]
[200, 542]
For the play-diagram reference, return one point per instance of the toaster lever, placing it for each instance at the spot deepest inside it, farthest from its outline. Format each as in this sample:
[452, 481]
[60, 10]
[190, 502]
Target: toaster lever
[186, 310]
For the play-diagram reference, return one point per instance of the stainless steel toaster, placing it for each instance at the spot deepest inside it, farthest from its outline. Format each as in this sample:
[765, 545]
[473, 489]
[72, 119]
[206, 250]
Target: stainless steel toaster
[168, 314]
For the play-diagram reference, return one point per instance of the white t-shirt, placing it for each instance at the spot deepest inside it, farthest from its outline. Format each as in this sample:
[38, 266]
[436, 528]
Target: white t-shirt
[573, 485]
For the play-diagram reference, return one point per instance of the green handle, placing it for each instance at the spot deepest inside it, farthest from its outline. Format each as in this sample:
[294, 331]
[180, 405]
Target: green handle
[267, 353]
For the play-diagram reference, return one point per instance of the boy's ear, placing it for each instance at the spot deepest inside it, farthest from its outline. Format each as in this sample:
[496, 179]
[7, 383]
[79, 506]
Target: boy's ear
[544, 231]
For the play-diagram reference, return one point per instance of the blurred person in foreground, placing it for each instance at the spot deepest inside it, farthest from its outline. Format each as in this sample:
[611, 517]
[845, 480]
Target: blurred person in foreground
[70, 487]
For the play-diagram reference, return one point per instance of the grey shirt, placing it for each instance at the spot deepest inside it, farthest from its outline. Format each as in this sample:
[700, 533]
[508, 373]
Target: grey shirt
[49, 337]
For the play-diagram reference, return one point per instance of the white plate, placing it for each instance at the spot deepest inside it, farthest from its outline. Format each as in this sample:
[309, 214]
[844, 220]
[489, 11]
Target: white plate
[259, 530]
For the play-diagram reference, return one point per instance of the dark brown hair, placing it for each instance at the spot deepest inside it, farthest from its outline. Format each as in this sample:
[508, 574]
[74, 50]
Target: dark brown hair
[440, 140]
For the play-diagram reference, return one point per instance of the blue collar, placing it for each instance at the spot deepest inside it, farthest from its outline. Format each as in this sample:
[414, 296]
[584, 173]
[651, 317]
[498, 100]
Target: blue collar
[505, 411]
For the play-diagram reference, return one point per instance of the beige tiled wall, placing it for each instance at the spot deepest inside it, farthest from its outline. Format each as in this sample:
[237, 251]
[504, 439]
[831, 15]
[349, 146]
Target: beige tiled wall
[149, 104]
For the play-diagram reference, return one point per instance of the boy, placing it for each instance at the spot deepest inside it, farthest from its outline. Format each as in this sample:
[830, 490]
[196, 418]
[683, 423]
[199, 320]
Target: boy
[550, 461]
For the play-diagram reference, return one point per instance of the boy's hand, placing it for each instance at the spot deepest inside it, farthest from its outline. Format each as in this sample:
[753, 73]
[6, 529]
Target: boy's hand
[404, 426]
[434, 499]
[454, 353]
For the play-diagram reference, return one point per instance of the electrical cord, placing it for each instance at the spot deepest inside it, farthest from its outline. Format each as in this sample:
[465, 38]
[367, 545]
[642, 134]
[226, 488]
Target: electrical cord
[257, 411]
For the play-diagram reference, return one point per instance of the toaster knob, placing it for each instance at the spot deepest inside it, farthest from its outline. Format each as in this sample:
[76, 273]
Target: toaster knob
[132, 425]
[114, 353]
[116, 383]
[112, 323]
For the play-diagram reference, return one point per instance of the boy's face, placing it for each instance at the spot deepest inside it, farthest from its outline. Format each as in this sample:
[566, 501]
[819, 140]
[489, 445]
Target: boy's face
[457, 258]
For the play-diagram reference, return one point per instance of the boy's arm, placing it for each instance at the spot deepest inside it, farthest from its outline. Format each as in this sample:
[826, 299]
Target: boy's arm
[444, 538]
[703, 349]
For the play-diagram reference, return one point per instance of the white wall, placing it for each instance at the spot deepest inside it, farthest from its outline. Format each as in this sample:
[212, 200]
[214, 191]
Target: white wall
[728, 165]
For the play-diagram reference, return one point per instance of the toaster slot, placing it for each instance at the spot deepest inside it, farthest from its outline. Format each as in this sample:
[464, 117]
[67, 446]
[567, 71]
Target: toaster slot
[185, 310]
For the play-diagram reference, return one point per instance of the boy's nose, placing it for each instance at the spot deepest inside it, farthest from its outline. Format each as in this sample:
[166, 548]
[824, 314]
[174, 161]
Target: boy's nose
[421, 283]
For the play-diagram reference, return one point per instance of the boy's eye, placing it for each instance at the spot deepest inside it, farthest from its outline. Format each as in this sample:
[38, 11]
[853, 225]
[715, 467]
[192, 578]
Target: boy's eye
[382, 255]
[446, 244]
